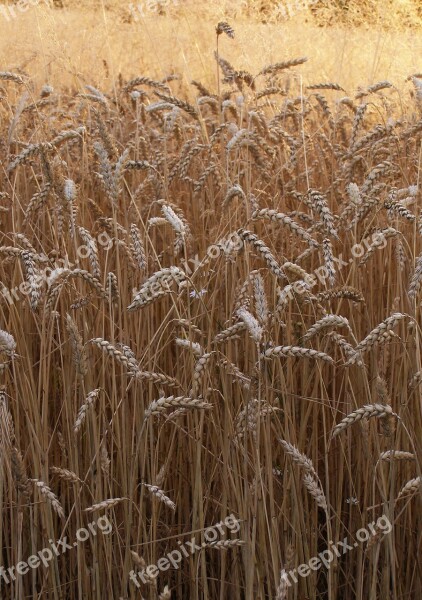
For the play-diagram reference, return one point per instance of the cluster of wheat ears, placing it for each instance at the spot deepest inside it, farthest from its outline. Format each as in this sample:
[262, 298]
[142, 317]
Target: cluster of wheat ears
[247, 341]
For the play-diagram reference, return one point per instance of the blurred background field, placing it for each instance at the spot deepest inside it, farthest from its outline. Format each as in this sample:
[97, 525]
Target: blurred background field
[95, 42]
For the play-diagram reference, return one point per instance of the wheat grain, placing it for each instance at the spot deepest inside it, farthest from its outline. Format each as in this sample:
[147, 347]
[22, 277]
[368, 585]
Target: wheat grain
[165, 594]
[59, 277]
[297, 271]
[390, 455]
[314, 489]
[137, 247]
[416, 281]
[8, 76]
[379, 239]
[325, 86]
[104, 505]
[251, 323]
[347, 348]
[301, 459]
[92, 251]
[327, 251]
[65, 474]
[376, 335]
[158, 378]
[7, 429]
[23, 484]
[233, 370]
[7, 343]
[85, 408]
[157, 286]
[224, 27]
[158, 493]
[50, 496]
[194, 347]
[158, 406]
[320, 205]
[327, 321]
[273, 215]
[265, 252]
[223, 544]
[366, 412]
[296, 352]
[201, 367]
[79, 354]
[343, 292]
[231, 332]
[281, 66]
[113, 352]
[411, 487]
[112, 287]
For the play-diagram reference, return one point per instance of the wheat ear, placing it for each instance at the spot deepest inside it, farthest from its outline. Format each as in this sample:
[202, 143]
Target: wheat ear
[368, 411]
[51, 497]
[296, 352]
[158, 406]
[411, 487]
[105, 504]
[158, 493]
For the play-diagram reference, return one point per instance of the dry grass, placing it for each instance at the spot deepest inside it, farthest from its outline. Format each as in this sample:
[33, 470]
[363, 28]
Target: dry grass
[98, 46]
[210, 306]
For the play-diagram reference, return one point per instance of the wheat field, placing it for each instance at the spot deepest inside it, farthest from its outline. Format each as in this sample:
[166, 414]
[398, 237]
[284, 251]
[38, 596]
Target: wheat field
[210, 316]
